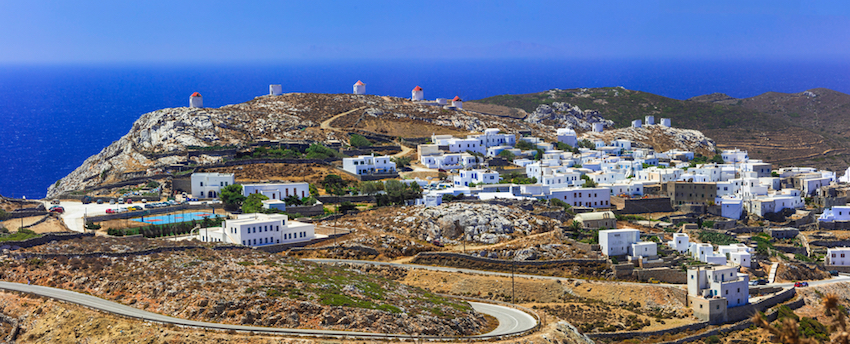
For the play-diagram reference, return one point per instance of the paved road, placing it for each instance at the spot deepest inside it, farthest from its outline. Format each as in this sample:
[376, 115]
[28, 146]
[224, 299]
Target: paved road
[510, 320]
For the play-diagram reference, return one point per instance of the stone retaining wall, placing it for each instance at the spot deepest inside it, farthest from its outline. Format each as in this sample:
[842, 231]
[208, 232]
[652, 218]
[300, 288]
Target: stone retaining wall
[20, 214]
[44, 239]
[632, 334]
[310, 210]
[510, 262]
[341, 199]
[830, 243]
[284, 247]
[126, 254]
[836, 225]
[641, 205]
[664, 275]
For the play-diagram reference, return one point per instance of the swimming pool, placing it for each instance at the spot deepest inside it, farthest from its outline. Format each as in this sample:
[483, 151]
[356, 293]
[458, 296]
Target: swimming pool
[174, 218]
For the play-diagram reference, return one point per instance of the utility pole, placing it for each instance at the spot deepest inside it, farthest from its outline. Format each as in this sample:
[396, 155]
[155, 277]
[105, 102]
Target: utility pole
[22, 217]
[513, 295]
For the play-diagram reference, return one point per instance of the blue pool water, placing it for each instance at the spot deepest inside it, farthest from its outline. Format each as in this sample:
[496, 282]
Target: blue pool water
[174, 218]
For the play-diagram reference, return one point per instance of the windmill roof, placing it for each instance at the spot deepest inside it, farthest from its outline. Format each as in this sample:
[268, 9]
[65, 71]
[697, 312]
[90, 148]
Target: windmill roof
[196, 94]
[359, 83]
[417, 88]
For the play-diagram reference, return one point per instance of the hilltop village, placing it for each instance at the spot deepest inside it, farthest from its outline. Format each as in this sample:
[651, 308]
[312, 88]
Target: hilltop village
[409, 219]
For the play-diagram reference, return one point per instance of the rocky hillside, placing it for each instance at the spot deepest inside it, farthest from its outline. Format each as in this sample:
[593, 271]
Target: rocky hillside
[479, 222]
[564, 115]
[244, 286]
[661, 138]
[295, 116]
[805, 129]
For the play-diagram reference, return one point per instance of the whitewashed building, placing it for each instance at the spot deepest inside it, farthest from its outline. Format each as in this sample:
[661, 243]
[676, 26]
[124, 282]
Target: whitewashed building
[617, 242]
[275, 90]
[568, 136]
[359, 87]
[837, 213]
[277, 191]
[734, 156]
[417, 94]
[196, 100]
[368, 164]
[466, 177]
[680, 242]
[719, 282]
[583, 197]
[649, 120]
[209, 185]
[665, 122]
[457, 102]
[839, 256]
[259, 230]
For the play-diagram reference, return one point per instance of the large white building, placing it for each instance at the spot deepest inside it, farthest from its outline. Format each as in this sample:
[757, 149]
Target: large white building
[449, 161]
[583, 197]
[734, 156]
[839, 256]
[209, 185]
[837, 213]
[568, 136]
[492, 138]
[368, 164]
[278, 191]
[719, 282]
[617, 242]
[466, 177]
[259, 230]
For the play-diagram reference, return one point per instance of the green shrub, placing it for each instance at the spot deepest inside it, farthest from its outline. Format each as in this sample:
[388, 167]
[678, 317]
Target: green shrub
[359, 141]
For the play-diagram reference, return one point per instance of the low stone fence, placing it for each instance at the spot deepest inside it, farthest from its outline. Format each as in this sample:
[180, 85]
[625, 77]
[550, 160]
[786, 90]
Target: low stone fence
[584, 246]
[830, 243]
[743, 312]
[126, 182]
[836, 225]
[641, 205]
[560, 267]
[20, 214]
[44, 239]
[364, 249]
[761, 290]
[632, 334]
[341, 199]
[126, 254]
[40, 221]
[664, 275]
[308, 210]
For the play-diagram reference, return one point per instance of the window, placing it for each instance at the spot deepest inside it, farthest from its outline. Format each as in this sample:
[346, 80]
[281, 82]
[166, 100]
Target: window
[202, 183]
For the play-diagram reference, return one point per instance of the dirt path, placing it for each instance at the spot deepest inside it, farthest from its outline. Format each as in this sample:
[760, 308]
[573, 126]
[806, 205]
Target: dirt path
[326, 124]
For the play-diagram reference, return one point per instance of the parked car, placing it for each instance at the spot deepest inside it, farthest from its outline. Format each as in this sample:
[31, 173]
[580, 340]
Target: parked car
[121, 201]
[57, 209]
[86, 200]
[99, 201]
[55, 201]
[110, 211]
[112, 201]
[801, 284]
[144, 200]
[653, 280]
[129, 201]
[833, 272]
[754, 283]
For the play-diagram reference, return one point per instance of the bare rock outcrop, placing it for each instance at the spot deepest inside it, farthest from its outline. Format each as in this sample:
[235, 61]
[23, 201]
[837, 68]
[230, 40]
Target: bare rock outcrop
[565, 115]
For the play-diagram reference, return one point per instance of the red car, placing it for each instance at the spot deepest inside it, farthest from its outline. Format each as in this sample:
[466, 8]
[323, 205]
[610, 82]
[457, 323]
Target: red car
[801, 284]
[110, 211]
[129, 201]
[57, 209]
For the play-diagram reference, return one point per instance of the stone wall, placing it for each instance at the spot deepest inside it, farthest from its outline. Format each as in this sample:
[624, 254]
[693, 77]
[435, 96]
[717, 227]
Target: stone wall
[341, 199]
[146, 212]
[295, 245]
[128, 253]
[632, 334]
[641, 205]
[836, 225]
[830, 243]
[311, 210]
[182, 184]
[664, 275]
[45, 238]
[743, 312]
[20, 214]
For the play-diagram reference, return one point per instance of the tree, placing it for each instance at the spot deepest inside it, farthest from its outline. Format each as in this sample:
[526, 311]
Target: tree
[314, 191]
[254, 203]
[539, 154]
[586, 144]
[334, 184]
[317, 151]
[402, 161]
[345, 207]
[359, 141]
[399, 192]
[774, 174]
[292, 200]
[588, 183]
[717, 159]
[371, 188]
[231, 196]
[524, 145]
[507, 155]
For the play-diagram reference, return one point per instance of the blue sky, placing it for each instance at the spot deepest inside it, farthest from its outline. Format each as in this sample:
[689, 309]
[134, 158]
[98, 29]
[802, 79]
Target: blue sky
[35, 31]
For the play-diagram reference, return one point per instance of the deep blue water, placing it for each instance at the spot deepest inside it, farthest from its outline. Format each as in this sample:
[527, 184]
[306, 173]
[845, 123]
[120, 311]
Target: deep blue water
[53, 117]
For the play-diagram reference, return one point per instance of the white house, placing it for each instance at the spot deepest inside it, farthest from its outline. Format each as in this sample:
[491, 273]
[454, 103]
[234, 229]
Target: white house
[275, 90]
[457, 102]
[636, 123]
[649, 120]
[665, 122]
[733, 156]
[417, 94]
[719, 282]
[680, 242]
[568, 136]
[209, 185]
[259, 230]
[492, 138]
[359, 87]
[643, 249]
[277, 191]
[584, 197]
[837, 213]
[196, 100]
[274, 204]
[449, 161]
[730, 207]
[465, 177]
[368, 164]
[462, 145]
[598, 127]
[839, 256]
[617, 242]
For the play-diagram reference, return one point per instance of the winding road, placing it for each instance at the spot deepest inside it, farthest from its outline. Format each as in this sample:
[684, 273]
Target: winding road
[511, 321]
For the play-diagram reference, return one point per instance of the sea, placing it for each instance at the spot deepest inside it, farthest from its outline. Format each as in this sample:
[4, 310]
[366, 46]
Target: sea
[53, 117]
